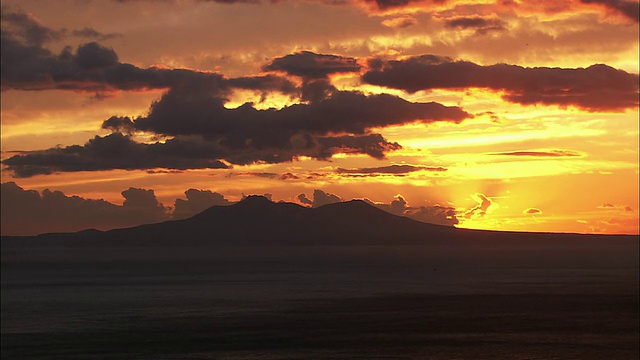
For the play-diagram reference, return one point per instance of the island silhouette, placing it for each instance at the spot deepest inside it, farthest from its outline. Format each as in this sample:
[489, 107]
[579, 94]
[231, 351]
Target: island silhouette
[259, 279]
[257, 221]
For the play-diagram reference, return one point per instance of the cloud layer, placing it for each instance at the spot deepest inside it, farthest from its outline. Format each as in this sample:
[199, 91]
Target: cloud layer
[203, 133]
[595, 88]
[27, 212]
[437, 214]
[115, 151]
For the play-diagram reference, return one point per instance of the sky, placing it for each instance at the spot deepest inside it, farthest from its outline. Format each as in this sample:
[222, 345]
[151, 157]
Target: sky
[499, 115]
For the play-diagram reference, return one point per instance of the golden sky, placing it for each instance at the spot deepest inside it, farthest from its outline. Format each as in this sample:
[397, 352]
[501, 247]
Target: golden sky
[503, 115]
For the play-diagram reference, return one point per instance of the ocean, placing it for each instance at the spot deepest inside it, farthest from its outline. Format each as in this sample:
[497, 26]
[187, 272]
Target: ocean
[319, 302]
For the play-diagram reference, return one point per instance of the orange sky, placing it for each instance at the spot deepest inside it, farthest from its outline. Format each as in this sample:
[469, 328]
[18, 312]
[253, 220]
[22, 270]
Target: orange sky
[489, 112]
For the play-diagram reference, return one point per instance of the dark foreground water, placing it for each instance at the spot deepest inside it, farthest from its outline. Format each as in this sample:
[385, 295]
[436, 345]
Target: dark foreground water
[527, 302]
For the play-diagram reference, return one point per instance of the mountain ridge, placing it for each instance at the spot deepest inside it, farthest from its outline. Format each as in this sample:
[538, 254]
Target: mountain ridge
[257, 221]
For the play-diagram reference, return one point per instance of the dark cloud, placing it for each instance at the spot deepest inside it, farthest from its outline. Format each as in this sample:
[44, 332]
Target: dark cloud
[391, 169]
[480, 24]
[239, 136]
[116, 151]
[122, 124]
[139, 198]
[93, 56]
[132, 1]
[319, 198]
[92, 68]
[551, 153]
[192, 111]
[596, 88]
[305, 200]
[397, 206]
[26, 29]
[165, 171]
[267, 175]
[389, 4]
[144, 204]
[197, 201]
[264, 83]
[629, 8]
[268, 196]
[246, 135]
[26, 212]
[307, 64]
[26, 64]
[224, 2]
[373, 145]
[288, 176]
[237, 1]
[203, 131]
[91, 33]
[314, 69]
[322, 198]
[316, 90]
[180, 113]
[314, 175]
[436, 214]
[95, 68]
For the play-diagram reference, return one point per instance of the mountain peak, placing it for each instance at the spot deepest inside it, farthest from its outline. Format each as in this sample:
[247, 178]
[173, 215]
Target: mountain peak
[257, 221]
[255, 199]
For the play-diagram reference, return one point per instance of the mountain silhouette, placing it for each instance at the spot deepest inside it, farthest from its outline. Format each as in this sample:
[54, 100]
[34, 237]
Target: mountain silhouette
[257, 221]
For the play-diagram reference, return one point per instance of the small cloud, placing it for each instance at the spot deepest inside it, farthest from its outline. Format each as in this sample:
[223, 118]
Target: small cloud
[288, 176]
[267, 196]
[481, 25]
[303, 199]
[436, 214]
[483, 207]
[391, 169]
[165, 172]
[532, 211]
[26, 28]
[307, 64]
[543, 153]
[319, 198]
[609, 206]
[197, 201]
[267, 175]
[90, 33]
[606, 206]
[400, 22]
[322, 198]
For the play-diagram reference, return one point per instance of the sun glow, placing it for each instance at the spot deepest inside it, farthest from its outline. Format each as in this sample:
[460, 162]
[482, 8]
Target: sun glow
[520, 160]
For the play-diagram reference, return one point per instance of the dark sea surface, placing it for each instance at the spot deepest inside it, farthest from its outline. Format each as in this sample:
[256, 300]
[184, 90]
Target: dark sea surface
[421, 302]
